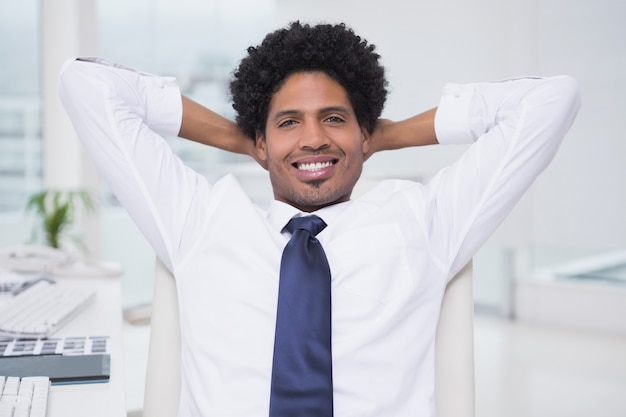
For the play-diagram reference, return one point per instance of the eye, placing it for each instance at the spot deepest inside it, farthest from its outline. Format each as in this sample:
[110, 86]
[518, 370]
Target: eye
[334, 119]
[287, 123]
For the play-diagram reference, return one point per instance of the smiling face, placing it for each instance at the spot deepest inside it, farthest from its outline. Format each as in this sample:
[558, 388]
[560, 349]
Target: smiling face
[313, 145]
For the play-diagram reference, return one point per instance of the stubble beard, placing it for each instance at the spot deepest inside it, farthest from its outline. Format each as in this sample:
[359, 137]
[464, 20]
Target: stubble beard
[313, 196]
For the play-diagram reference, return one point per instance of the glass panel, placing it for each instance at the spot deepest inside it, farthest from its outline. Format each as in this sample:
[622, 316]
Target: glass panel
[20, 105]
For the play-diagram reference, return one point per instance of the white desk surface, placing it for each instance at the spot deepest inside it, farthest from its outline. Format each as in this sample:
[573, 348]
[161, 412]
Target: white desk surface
[102, 317]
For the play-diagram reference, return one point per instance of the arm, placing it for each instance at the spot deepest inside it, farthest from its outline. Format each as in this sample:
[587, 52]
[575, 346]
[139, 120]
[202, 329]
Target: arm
[514, 128]
[202, 125]
[122, 116]
[418, 130]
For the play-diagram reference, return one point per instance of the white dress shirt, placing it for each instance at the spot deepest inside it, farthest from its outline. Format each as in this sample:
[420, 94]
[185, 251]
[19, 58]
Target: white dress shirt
[391, 251]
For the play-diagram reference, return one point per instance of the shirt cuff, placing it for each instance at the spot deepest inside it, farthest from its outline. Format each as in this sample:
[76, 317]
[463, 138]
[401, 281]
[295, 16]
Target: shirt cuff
[163, 106]
[164, 114]
[452, 120]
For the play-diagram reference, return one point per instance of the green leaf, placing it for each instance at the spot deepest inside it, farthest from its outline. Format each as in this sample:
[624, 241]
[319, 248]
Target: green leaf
[55, 210]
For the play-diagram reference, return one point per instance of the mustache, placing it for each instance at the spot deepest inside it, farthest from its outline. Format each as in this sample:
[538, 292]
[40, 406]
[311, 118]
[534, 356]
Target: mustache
[301, 154]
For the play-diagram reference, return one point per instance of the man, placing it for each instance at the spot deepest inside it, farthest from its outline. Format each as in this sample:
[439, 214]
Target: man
[308, 101]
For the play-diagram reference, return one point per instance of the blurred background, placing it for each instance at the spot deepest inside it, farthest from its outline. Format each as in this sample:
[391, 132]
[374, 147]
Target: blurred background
[550, 285]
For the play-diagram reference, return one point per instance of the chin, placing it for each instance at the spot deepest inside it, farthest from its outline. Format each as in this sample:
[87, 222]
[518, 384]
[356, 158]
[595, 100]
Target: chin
[316, 199]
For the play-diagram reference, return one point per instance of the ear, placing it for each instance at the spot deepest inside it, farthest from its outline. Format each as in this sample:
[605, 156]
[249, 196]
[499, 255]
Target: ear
[261, 147]
[365, 141]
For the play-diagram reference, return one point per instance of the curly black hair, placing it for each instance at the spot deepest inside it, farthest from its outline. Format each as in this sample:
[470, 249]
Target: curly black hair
[333, 49]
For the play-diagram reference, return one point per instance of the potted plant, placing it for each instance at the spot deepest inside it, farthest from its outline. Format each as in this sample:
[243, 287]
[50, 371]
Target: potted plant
[56, 211]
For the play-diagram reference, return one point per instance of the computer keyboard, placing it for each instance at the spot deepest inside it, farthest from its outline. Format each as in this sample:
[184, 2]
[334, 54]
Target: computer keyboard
[41, 309]
[24, 397]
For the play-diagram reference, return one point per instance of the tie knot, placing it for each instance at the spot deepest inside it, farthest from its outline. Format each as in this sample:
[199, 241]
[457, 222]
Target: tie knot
[311, 224]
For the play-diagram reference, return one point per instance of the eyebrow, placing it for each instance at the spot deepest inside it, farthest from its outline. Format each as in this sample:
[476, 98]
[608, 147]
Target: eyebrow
[330, 109]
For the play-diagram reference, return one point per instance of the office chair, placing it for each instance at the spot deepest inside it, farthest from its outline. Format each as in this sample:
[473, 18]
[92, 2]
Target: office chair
[454, 362]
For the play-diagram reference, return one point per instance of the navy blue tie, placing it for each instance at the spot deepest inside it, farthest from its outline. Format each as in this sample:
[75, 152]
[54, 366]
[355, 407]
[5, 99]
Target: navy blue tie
[302, 384]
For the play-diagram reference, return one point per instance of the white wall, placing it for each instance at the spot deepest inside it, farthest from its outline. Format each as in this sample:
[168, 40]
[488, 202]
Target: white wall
[588, 178]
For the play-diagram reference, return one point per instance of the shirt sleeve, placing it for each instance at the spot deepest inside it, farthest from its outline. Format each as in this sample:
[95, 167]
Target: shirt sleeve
[121, 117]
[515, 128]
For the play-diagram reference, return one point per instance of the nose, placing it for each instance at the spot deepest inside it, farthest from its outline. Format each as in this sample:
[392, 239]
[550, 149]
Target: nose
[314, 136]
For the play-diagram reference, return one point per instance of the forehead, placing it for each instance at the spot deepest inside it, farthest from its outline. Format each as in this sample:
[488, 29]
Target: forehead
[308, 91]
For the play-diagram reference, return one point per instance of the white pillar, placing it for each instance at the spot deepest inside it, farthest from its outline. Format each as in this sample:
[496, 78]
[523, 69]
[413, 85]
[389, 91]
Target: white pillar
[68, 29]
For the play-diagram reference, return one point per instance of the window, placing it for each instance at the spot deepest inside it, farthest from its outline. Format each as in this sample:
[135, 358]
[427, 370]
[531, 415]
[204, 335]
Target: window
[20, 105]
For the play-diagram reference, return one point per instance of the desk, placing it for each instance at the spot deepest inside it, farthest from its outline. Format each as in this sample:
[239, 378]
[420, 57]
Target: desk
[102, 317]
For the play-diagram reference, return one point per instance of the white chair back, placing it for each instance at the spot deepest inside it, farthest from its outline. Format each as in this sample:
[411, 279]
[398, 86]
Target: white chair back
[454, 366]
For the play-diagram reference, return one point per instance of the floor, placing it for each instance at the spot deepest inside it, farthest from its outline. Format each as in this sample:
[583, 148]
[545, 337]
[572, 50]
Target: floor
[522, 370]
[525, 370]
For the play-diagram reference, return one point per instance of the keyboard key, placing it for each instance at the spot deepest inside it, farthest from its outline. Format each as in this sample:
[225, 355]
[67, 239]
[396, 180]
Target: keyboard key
[24, 397]
[41, 309]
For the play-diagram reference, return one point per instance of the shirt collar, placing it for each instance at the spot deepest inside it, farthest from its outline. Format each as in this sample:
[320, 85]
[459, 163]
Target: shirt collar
[280, 213]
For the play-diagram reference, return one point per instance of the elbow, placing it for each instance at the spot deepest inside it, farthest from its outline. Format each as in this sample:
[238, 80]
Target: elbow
[563, 106]
[571, 92]
[67, 79]
[75, 82]
[567, 99]
[556, 102]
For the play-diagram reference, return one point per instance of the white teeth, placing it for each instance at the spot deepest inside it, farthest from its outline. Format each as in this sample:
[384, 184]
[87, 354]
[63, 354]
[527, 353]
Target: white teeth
[315, 166]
